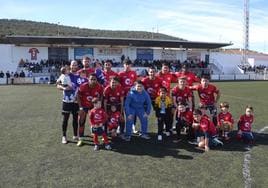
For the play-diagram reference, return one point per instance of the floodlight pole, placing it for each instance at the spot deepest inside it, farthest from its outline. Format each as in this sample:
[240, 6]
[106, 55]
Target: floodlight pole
[246, 33]
[58, 28]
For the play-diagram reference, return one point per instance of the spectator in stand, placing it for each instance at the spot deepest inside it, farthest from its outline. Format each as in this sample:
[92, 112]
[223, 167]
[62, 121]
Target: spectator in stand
[22, 74]
[8, 74]
[16, 75]
[2, 74]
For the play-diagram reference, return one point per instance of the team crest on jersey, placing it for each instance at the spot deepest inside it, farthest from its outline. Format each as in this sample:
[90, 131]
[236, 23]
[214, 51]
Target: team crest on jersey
[203, 95]
[127, 81]
[89, 98]
[97, 116]
[112, 99]
[150, 90]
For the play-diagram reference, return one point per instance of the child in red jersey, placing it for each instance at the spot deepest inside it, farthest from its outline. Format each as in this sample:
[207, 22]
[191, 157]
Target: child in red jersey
[113, 120]
[244, 126]
[208, 132]
[184, 120]
[97, 118]
[224, 121]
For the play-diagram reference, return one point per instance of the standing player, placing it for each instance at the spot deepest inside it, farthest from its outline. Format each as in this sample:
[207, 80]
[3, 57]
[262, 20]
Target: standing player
[209, 95]
[86, 67]
[190, 76]
[86, 93]
[166, 76]
[181, 93]
[127, 76]
[151, 84]
[69, 101]
[114, 94]
[97, 118]
[108, 72]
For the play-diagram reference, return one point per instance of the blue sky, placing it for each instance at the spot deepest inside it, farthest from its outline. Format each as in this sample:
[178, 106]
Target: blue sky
[196, 20]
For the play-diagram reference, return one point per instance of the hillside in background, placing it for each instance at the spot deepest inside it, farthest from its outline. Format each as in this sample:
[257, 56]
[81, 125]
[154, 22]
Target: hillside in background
[23, 27]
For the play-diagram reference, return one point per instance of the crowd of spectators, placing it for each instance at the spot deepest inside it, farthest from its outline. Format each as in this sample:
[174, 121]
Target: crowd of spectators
[254, 69]
[55, 65]
[12, 74]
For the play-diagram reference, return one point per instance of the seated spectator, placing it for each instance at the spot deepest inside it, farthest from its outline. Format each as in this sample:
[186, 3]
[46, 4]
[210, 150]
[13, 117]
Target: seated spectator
[2, 75]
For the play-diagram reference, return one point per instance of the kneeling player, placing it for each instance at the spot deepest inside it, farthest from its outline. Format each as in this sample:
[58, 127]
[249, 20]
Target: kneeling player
[208, 131]
[244, 126]
[113, 121]
[225, 121]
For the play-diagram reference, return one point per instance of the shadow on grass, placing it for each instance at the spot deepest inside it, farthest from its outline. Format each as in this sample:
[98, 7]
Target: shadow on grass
[153, 148]
[235, 145]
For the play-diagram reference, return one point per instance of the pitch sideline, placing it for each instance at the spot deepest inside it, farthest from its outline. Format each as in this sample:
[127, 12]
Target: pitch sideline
[246, 164]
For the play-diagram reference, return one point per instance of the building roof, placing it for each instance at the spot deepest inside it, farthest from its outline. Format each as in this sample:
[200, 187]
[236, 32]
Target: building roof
[84, 41]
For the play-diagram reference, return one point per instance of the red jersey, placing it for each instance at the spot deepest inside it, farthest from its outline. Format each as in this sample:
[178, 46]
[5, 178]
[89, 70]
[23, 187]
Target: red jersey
[97, 117]
[88, 71]
[206, 95]
[167, 79]
[152, 86]
[245, 123]
[225, 117]
[207, 126]
[87, 93]
[186, 116]
[113, 95]
[108, 75]
[181, 95]
[113, 120]
[127, 79]
[190, 77]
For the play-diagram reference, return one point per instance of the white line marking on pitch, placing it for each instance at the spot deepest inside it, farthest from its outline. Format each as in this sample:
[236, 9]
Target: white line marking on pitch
[246, 164]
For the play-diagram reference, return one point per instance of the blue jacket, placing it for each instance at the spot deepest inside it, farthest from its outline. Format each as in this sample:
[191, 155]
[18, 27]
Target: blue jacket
[137, 101]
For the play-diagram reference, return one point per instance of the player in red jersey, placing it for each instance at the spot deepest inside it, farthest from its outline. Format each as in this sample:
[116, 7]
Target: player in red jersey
[97, 119]
[108, 72]
[127, 76]
[114, 94]
[225, 121]
[86, 93]
[113, 120]
[166, 76]
[151, 84]
[208, 132]
[244, 126]
[190, 76]
[86, 67]
[181, 93]
[184, 120]
[209, 95]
